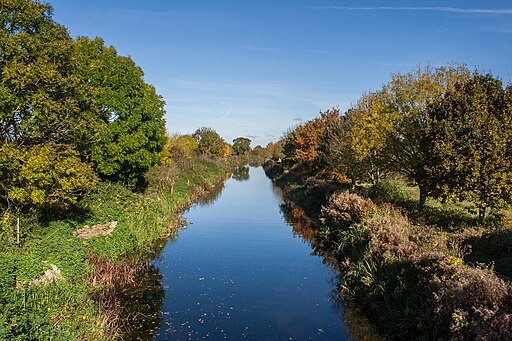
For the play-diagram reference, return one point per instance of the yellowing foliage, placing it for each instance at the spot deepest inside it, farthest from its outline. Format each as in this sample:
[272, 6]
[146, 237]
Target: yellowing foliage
[228, 150]
[43, 175]
[183, 146]
[371, 122]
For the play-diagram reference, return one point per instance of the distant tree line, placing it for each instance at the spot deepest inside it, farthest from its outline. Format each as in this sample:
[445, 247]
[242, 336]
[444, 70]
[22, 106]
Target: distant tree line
[205, 141]
[446, 129]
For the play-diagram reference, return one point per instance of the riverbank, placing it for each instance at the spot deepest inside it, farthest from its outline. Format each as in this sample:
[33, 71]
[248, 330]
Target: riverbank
[55, 285]
[412, 276]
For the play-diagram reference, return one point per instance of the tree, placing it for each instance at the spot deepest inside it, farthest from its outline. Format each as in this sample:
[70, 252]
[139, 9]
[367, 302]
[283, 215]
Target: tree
[228, 150]
[276, 149]
[42, 100]
[45, 117]
[209, 142]
[354, 144]
[406, 150]
[42, 176]
[130, 110]
[471, 139]
[337, 148]
[302, 145]
[183, 147]
[241, 145]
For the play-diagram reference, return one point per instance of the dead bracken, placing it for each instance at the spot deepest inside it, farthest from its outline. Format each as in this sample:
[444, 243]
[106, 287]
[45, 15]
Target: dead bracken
[97, 230]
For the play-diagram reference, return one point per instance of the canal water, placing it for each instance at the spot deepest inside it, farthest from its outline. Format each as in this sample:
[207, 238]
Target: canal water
[240, 271]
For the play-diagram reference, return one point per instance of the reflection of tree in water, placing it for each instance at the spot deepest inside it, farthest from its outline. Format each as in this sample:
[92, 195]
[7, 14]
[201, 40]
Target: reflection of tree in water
[358, 327]
[211, 196]
[302, 226]
[146, 302]
[134, 308]
[241, 173]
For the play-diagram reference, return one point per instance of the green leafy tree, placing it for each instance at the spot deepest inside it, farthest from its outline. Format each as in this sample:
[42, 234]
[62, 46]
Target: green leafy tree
[130, 110]
[209, 142]
[241, 145]
[407, 98]
[42, 100]
[471, 139]
[46, 121]
[338, 152]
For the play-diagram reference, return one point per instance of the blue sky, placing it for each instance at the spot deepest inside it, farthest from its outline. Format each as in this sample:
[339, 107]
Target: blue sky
[255, 68]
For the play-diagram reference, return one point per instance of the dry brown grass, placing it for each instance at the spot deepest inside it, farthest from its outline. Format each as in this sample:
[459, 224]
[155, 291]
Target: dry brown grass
[113, 282]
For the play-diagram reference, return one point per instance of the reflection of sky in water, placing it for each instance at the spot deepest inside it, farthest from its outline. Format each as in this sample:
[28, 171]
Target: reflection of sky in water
[237, 272]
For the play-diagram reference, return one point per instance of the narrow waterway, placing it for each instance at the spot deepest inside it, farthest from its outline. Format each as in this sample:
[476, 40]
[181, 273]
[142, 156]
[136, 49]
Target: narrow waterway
[240, 271]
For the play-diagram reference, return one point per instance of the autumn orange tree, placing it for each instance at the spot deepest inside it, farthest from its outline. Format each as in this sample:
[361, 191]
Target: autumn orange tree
[302, 146]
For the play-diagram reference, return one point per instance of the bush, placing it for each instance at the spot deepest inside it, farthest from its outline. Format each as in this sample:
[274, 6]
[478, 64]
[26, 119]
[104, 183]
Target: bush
[390, 235]
[345, 208]
[473, 303]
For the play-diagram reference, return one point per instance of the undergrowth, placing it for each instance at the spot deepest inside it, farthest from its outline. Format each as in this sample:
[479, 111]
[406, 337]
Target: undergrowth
[68, 308]
[415, 277]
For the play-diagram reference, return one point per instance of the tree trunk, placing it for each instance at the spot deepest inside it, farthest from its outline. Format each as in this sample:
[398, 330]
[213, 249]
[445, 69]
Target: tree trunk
[18, 229]
[423, 199]
[481, 213]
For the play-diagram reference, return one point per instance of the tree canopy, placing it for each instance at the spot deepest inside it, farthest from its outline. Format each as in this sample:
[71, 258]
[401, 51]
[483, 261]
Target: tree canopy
[443, 128]
[241, 145]
[132, 113]
[209, 142]
[68, 104]
[471, 142]
[302, 144]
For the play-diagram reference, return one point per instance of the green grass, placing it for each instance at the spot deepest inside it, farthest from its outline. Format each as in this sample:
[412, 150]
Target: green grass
[65, 310]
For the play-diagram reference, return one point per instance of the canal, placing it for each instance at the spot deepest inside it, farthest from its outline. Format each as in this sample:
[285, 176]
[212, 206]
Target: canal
[239, 270]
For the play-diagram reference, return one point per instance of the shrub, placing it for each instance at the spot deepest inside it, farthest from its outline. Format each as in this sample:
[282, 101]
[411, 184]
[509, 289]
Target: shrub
[345, 208]
[390, 235]
[475, 302]
[318, 190]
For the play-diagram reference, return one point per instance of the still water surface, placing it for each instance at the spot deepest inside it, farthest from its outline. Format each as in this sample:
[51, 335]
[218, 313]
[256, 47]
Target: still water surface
[239, 272]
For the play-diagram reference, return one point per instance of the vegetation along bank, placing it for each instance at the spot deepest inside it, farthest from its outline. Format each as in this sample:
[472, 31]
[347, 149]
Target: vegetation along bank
[411, 191]
[90, 183]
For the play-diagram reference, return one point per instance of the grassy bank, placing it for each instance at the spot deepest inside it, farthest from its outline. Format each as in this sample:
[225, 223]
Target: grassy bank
[79, 299]
[414, 277]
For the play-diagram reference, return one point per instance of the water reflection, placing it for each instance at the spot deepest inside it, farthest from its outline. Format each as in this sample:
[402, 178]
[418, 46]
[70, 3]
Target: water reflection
[241, 173]
[359, 328]
[211, 196]
[302, 226]
[239, 271]
[135, 307]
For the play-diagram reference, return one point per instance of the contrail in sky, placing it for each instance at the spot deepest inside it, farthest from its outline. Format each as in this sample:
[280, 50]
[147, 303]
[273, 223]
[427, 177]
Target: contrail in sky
[436, 9]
